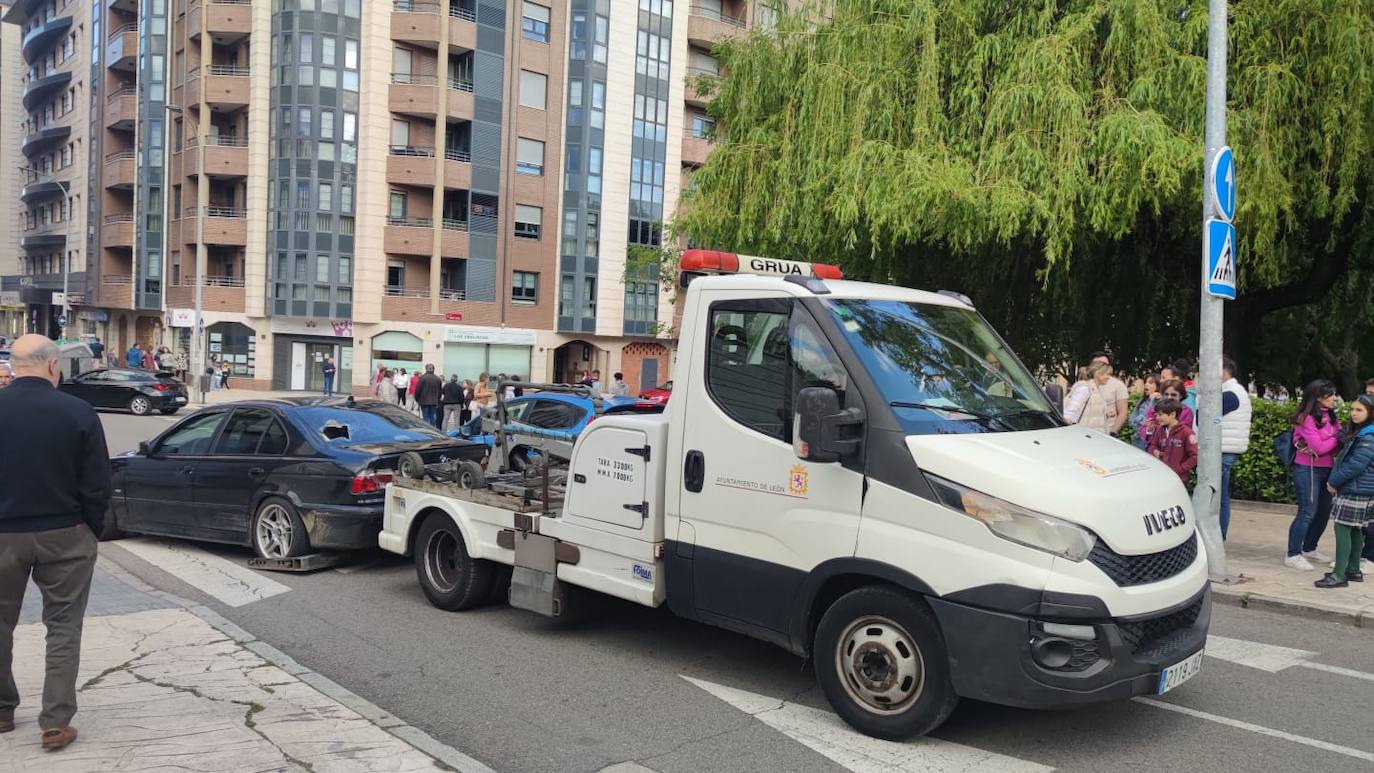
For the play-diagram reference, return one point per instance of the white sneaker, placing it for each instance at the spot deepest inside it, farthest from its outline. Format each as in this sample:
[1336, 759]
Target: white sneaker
[1297, 562]
[1317, 556]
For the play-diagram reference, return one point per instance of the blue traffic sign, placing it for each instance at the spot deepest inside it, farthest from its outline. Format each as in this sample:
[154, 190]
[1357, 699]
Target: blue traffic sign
[1221, 186]
[1221, 259]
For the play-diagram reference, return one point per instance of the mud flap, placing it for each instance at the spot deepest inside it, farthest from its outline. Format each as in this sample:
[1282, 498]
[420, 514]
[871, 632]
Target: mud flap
[534, 580]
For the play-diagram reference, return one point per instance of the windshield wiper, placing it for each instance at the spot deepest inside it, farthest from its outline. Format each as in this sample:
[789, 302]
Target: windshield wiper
[1025, 411]
[946, 408]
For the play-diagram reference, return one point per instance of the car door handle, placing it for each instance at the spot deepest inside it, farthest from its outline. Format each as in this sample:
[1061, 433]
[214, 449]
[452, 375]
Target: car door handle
[694, 471]
[256, 472]
[187, 470]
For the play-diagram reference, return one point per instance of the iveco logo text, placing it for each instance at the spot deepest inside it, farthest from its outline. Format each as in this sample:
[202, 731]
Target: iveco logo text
[1165, 520]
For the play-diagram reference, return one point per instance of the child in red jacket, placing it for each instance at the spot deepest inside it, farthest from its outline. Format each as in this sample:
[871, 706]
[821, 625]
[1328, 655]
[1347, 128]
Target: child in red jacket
[1174, 442]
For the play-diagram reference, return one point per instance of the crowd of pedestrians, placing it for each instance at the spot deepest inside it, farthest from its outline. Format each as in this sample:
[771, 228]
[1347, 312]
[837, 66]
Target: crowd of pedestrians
[445, 405]
[1332, 466]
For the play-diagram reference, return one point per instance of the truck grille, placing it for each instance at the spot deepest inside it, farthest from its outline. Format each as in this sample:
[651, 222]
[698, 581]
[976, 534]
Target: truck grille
[1085, 654]
[1159, 636]
[1140, 570]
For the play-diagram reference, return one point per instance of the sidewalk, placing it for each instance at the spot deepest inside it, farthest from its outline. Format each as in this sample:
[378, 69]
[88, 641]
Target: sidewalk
[169, 686]
[1255, 547]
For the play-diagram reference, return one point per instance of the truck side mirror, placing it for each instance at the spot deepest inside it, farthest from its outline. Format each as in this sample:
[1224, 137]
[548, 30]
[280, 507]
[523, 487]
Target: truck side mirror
[821, 431]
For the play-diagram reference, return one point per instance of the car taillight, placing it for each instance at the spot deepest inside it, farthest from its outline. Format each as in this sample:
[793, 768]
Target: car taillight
[161, 387]
[369, 482]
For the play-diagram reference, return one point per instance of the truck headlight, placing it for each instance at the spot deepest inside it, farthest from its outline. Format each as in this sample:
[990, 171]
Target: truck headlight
[1016, 523]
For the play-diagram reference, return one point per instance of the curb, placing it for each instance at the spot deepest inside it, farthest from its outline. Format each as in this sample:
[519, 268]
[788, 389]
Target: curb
[1238, 598]
[413, 736]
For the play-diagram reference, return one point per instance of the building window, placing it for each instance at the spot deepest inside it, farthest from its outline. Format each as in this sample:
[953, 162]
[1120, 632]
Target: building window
[565, 296]
[535, 24]
[395, 274]
[702, 126]
[533, 89]
[400, 133]
[176, 267]
[397, 211]
[768, 17]
[527, 221]
[529, 157]
[589, 297]
[524, 288]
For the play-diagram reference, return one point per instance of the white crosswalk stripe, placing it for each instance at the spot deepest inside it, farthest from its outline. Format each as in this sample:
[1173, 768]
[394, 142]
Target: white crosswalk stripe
[231, 583]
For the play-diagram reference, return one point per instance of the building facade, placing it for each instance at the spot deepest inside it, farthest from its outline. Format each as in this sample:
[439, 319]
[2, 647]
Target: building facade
[461, 183]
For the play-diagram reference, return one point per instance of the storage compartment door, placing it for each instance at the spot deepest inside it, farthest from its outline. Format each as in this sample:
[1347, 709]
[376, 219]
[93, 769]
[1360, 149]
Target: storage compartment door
[609, 478]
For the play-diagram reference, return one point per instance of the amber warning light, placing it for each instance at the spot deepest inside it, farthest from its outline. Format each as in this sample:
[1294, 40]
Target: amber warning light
[713, 262]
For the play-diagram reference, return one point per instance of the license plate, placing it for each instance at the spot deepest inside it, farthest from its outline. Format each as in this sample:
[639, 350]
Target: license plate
[1178, 673]
[180, 400]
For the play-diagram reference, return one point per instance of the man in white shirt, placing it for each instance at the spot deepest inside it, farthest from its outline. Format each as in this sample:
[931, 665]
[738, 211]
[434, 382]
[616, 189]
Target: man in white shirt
[1235, 432]
[1116, 395]
[618, 387]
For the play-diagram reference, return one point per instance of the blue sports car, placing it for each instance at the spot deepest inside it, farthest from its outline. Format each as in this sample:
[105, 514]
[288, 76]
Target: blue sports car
[553, 415]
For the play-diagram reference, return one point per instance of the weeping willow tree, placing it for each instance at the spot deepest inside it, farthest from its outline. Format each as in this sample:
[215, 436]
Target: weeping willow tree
[1046, 157]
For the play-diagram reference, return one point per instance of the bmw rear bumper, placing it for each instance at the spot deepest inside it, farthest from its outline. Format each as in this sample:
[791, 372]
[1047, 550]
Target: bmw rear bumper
[342, 527]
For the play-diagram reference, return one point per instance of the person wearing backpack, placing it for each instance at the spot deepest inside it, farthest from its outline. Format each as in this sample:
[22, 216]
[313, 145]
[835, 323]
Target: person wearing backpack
[1316, 435]
[1352, 483]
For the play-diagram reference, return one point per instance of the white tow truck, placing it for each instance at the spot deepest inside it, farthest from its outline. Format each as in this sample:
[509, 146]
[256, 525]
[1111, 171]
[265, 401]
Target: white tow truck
[862, 474]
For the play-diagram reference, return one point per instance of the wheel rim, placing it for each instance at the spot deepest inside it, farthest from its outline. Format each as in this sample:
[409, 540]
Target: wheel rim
[441, 561]
[275, 531]
[140, 405]
[880, 665]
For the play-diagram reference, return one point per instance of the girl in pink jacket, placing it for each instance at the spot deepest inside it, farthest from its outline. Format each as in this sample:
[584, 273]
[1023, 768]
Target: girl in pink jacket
[1316, 436]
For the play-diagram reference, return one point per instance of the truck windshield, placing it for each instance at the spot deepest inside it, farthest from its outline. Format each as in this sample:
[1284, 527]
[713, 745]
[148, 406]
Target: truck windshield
[941, 368]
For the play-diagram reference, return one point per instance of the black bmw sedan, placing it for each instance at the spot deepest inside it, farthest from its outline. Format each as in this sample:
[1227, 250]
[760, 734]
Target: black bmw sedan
[283, 476]
[139, 391]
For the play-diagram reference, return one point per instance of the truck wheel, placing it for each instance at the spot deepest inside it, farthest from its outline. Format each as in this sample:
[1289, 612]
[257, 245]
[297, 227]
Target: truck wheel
[881, 660]
[450, 577]
[500, 584]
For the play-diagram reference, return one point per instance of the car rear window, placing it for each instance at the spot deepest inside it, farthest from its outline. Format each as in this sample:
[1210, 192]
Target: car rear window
[355, 426]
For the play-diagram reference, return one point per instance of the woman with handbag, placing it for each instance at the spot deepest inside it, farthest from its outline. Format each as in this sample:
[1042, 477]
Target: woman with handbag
[1316, 435]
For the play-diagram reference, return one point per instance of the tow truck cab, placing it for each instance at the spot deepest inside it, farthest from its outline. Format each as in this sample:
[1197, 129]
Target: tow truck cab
[867, 475]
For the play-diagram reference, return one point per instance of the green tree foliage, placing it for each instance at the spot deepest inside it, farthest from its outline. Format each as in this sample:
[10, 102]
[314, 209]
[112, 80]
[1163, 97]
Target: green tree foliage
[1046, 158]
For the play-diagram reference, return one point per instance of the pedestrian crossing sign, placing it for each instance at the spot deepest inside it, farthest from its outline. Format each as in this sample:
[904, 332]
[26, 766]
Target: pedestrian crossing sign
[1221, 259]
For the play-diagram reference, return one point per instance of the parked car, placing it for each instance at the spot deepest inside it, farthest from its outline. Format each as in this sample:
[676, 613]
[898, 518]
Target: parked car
[283, 476]
[553, 415]
[658, 394]
[139, 391]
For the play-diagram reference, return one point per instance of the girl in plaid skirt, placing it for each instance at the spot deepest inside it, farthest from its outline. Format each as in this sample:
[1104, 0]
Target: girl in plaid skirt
[1352, 482]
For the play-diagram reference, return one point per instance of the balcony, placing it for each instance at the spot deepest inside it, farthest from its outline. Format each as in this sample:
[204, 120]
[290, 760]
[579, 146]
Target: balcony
[693, 94]
[50, 237]
[227, 21]
[410, 165]
[40, 90]
[42, 37]
[414, 95]
[121, 109]
[118, 230]
[120, 173]
[223, 225]
[695, 149]
[457, 169]
[415, 22]
[39, 141]
[408, 236]
[462, 27]
[706, 25]
[460, 104]
[453, 239]
[116, 291]
[224, 85]
[121, 48]
[224, 156]
[42, 190]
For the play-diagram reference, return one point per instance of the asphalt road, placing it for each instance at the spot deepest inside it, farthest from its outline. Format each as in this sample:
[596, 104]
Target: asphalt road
[523, 693]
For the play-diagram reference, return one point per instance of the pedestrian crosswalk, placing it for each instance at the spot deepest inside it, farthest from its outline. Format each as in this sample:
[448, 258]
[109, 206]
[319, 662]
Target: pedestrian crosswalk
[231, 583]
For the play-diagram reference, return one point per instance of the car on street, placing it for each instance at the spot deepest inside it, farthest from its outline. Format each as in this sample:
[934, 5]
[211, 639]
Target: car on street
[555, 415]
[138, 391]
[283, 476]
[658, 394]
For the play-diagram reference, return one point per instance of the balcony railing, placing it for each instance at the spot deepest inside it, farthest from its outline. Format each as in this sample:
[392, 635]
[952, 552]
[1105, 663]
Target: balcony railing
[453, 295]
[410, 222]
[117, 279]
[716, 15]
[413, 79]
[401, 292]
[122, 91]
[217, 211]
[231, 70]
[697, 71]
[123, 155]
[197, 3]
[451, 224]
[123, 28]
[459, 12]
[214, 281]
[454, 154]
[460, 84]
[120, 217]
[415, 6]
[412, 150]
[221, 141]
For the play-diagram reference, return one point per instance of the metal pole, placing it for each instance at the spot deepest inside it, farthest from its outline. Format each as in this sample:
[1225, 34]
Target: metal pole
[1206, 497]
[66, 259]
[202, 210]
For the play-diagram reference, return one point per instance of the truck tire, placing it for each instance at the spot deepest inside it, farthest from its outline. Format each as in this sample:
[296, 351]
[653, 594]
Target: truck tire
[500, 584]
[451, 578]
[411, 465]
[881, 660]
[470, 475]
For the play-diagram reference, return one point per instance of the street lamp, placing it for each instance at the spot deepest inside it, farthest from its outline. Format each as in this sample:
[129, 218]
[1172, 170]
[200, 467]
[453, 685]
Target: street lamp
[67, 233]
[196, 365]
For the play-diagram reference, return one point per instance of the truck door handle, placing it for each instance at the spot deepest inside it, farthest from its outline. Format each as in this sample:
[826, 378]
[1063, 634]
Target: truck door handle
[694, 471]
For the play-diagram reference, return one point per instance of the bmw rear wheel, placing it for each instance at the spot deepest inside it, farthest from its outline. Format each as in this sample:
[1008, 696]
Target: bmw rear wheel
[278, 531]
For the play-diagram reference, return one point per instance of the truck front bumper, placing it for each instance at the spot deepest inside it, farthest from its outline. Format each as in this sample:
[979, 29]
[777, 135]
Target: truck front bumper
[993, 655]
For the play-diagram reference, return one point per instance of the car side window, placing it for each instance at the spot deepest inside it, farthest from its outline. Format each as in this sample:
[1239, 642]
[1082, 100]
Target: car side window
[274, 440]
[244, 432]
[192, 438]
[95, 377]
[554, 414]
[746, 363]
[517, 411]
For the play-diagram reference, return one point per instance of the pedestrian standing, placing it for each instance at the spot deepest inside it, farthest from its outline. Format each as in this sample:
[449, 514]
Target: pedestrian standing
[596, 384]
[54, 494]
[1352, 483]
[1316, 433]
[1174, 443]
[483, 396]
[386, 388]
[429, 392]
[1087, 401]
[1369, 387]
[410, 390]
[469, 397]
[402, 383]
[134, 357]
[327, 370]
[1149, 395]
[452, 402]
[1172, 389]
[97, 351]
[1235, 432]
[181, 365]
[1115, 395]
[6, 375]
[224, 371]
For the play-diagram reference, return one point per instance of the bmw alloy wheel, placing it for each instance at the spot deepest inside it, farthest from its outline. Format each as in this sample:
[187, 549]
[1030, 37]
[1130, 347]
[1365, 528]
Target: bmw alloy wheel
[275, 532]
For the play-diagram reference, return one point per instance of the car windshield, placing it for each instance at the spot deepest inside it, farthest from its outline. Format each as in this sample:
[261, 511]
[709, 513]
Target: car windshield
[364, 425]
[941, 368]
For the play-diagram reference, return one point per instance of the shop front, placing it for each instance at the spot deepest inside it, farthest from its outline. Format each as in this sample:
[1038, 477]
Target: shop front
[471, 350]
[299, 350]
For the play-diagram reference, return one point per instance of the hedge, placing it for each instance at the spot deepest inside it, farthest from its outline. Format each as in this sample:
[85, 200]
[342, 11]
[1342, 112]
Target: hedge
[1257, 475]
